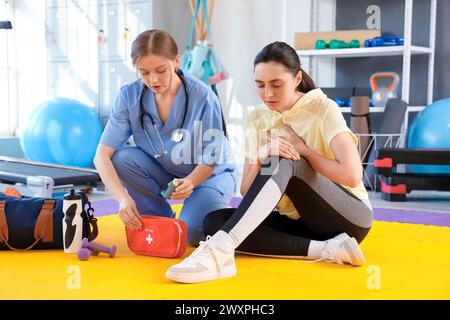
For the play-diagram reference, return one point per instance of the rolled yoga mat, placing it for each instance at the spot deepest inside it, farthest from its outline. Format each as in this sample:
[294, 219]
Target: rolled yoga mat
[360, 122]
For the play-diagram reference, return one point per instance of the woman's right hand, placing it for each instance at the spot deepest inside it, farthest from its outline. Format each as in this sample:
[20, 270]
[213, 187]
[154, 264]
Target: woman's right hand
[278, 146]
[129, 214]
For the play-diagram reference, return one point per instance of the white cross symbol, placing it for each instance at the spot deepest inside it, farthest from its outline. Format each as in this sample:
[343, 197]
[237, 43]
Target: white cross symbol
[149, 238]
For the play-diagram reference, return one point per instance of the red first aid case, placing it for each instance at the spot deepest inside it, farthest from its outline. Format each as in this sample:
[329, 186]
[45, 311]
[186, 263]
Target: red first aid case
[159, 237]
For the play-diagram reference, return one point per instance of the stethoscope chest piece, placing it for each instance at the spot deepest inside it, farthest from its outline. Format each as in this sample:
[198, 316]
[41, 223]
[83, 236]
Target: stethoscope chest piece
[177, 136]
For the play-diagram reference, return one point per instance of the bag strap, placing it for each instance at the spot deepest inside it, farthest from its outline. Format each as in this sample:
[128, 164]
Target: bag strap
[44, 223]
[43, 230]
[191, 28]
[224, 125]
[3, 223]
[93, 223]
[208, 27]
[92, 220]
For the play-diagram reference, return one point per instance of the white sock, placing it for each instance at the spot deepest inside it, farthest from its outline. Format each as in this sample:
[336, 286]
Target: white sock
[315, 249]
[223, 241]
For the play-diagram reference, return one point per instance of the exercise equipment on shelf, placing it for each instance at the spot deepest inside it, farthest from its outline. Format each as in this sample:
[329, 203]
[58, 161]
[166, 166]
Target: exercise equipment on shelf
[6, 25]
[360, 122]
[382, 93]
[336, 44]
[384, 41]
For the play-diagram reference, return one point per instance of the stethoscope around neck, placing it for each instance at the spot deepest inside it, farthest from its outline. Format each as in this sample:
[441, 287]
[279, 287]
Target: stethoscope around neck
[177, 134]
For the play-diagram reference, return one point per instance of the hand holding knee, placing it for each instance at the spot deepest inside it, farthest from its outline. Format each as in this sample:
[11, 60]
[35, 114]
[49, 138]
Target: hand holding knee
[278, 146]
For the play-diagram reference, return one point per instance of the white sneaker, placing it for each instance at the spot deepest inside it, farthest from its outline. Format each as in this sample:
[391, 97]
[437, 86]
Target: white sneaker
[204, 264]
[347, 251]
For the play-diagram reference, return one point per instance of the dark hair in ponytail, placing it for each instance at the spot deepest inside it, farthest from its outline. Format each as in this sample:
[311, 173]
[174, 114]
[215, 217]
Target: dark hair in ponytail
[283, 53]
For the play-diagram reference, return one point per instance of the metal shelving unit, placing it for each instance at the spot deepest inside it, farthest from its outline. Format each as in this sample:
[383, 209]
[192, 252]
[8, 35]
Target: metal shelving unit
[406, 51]
[363, 52]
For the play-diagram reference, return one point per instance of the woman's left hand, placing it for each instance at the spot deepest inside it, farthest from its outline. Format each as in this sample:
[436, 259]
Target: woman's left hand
[299, 144]
[183, 190]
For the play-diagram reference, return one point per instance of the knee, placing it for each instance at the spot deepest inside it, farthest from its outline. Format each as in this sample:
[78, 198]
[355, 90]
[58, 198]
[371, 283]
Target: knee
[302, 169]
[272, 165]
[130, 161]
[301, 165]
[299, 168]
[273, 160]
[121, 159]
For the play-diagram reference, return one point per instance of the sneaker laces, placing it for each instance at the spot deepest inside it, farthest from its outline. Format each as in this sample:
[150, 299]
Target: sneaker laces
[333, 254]
[203, 249]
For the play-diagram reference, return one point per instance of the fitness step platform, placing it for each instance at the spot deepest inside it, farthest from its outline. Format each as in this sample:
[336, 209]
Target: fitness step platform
[395, 185]
[388, 158]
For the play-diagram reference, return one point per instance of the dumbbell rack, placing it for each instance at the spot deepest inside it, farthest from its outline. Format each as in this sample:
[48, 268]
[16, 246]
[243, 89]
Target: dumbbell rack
[406, 51]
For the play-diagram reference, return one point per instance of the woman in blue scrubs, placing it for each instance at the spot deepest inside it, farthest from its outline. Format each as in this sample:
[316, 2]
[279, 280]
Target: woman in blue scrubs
[176, 123]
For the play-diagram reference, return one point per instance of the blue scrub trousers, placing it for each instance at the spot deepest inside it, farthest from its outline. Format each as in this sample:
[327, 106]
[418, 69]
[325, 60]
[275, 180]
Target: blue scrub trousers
[144, 178]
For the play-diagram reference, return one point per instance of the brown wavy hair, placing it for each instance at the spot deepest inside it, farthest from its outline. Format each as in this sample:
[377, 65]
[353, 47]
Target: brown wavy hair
[156, 42]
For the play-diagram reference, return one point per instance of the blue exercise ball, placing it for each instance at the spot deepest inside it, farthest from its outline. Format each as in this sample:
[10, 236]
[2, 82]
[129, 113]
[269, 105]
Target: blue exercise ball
[62, 131]
[431, 129]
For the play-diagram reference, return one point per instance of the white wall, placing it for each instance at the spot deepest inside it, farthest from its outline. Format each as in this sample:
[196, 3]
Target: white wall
[7, 74]
[31, 57]
[241, 28]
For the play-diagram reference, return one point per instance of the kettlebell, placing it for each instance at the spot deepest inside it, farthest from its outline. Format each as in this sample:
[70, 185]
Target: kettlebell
[382, 93]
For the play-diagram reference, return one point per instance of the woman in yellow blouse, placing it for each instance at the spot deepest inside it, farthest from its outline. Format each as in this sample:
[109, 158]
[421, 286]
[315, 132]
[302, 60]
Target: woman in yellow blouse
[303, 192]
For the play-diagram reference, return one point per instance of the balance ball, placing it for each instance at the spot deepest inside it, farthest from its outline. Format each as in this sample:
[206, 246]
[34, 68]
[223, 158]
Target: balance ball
[62, 131]
[430, 128]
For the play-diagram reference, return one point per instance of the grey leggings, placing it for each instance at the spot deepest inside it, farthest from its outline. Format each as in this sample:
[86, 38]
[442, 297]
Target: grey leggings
[326, 208]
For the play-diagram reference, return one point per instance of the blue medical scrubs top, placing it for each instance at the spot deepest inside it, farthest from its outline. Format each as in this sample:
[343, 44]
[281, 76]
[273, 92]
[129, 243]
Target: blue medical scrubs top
[197, 146]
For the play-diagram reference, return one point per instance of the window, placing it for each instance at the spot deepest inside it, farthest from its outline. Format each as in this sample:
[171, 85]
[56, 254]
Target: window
[8, 107]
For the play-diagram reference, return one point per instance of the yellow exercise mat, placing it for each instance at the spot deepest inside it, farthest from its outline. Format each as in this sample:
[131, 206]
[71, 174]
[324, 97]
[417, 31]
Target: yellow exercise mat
[404, 261]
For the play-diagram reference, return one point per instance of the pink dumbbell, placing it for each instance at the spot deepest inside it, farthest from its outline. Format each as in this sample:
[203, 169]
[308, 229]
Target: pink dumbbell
[96, 248]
